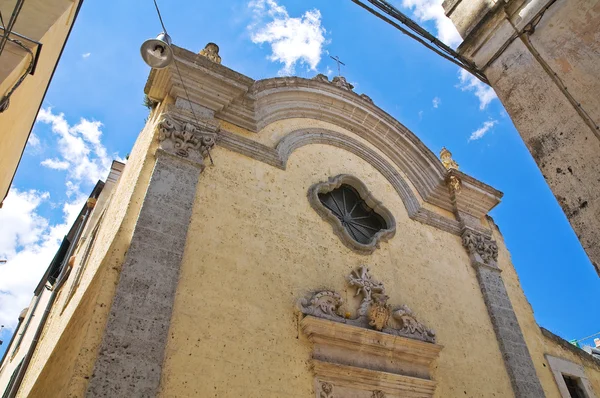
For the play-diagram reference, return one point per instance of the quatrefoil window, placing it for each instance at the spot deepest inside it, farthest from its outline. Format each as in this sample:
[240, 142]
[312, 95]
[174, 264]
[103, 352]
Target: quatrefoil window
[357, 217]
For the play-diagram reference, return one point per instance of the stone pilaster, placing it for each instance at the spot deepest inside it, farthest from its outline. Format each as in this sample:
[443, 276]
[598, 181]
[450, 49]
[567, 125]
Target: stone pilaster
[131, 353]
[483, 252]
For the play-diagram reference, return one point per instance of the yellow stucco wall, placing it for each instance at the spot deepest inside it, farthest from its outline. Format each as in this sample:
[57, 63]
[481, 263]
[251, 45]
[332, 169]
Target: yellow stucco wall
[255, 246]
[17, 120]
[67, 352]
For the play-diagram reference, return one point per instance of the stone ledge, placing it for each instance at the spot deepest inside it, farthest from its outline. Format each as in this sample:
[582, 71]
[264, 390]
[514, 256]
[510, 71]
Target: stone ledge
[351, 379]
[356, 361]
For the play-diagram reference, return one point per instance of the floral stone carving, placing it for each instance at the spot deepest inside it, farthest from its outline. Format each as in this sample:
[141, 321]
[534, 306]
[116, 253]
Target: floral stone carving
[374, 311]
[378, 394]
[479, 245]
[185, 140]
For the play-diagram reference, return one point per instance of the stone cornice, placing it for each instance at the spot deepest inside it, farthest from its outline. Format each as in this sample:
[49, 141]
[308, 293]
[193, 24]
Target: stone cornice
[490, 31]
[252, 105]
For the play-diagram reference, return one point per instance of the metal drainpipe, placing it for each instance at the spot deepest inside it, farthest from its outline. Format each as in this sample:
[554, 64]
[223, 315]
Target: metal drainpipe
[62, 277]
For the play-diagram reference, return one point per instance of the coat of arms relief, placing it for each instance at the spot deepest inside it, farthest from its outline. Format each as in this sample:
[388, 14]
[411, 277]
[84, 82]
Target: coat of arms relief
[374, 311]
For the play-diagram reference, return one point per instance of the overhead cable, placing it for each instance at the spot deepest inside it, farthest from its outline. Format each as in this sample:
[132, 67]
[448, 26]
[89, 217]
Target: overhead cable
[416, 32]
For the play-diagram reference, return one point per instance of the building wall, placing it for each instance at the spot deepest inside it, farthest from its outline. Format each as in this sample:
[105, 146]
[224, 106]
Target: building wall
[16, 122]
[255, 246]
[65, 357]
[547, 79]
[538, 344]
[15, 354]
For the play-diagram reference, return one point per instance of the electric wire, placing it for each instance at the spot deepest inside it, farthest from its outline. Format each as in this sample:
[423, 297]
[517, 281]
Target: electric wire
[588, 337]
[181, 77]
[416, 32]
[11, 23]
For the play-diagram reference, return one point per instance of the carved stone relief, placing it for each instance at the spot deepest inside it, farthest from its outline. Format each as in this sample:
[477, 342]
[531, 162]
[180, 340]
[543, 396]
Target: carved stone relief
[374, 311]
[341, 82]
[326, 390]
[211, 51]
[186, 140]
[382, 352]
[482, 247]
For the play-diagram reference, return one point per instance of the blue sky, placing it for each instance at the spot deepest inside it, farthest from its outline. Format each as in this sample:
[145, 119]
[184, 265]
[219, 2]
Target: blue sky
[93, 113]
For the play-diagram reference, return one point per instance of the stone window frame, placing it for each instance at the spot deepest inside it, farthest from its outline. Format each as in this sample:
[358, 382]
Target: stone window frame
[561, 367]
[366, 195]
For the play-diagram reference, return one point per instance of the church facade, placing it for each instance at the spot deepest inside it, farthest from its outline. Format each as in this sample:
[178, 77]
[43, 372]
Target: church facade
[288, 238]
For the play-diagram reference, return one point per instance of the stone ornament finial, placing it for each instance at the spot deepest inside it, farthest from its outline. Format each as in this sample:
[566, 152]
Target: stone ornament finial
[185, 140]
[481, 247]
[211, 51]
[374, 310]
[447, 161]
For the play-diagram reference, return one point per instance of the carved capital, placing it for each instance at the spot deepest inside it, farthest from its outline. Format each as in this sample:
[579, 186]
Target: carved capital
[185, 140]
[481, 248]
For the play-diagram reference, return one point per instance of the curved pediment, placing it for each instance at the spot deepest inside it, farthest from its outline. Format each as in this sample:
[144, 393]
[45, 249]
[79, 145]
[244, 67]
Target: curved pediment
[221, 93]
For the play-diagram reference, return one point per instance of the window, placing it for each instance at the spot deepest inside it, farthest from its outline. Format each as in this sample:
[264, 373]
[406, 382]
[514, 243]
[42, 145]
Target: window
[574, 387]
[570, 378]
[359, 220]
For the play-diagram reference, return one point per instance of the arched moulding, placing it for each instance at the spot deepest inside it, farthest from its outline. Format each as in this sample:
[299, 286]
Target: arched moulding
[344, 233]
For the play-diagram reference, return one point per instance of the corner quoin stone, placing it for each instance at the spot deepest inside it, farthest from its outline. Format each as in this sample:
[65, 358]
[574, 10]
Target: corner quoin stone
[131, 353]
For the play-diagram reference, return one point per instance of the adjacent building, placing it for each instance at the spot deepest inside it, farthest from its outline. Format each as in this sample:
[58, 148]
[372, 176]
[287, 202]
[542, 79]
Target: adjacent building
[542, 57]
[287, 237]
[30, 46]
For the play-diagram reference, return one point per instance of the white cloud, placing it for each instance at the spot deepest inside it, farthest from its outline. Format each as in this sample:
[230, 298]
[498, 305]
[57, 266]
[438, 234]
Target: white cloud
[293, 40]
[82, 154]
[55, 164]
[28, 242]
[432, 10]
[34, 140]
[485, 93]
[436, 102]
[86, 55]
[480, 132]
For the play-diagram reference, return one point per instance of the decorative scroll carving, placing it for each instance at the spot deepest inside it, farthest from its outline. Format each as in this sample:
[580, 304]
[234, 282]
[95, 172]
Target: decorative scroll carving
[374, 310]
[378, 394]
[323, 304]
[340, 81]
[321, 77]
[211, 51]
[480, 245]
[326, 390]
[366, 98]
[185, 139]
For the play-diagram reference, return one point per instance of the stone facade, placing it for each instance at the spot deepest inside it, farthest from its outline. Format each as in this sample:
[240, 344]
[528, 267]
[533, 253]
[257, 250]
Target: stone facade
[541, 58]
[193, 286]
